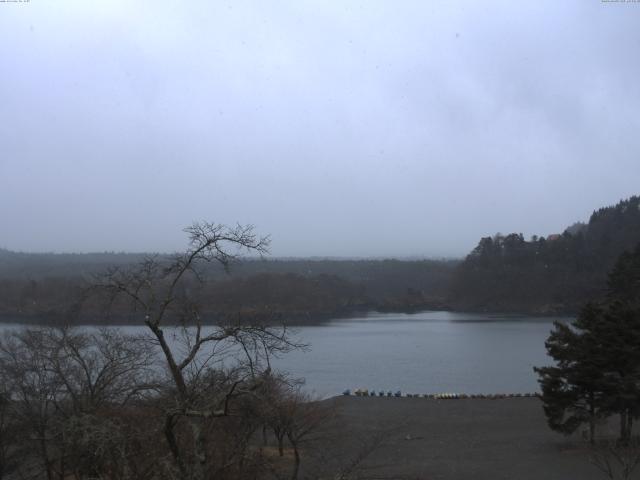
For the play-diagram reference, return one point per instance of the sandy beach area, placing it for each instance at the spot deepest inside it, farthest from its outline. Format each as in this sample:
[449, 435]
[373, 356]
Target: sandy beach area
[417, 438]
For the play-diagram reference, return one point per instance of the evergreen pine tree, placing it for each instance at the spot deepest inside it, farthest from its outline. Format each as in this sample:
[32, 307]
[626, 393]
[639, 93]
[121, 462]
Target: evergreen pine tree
[597, 370]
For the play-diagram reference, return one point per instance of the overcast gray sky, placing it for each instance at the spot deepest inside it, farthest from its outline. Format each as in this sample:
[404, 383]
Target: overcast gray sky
[342, 128]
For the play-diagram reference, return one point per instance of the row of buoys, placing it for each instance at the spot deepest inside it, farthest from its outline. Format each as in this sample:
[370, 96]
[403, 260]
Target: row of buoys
[359, 392]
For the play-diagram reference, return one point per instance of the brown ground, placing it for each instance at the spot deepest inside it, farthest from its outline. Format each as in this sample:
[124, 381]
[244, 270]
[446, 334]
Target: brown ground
[457, 439]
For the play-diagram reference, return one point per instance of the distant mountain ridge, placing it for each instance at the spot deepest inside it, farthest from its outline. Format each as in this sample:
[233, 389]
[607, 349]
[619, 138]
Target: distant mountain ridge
[547, 275]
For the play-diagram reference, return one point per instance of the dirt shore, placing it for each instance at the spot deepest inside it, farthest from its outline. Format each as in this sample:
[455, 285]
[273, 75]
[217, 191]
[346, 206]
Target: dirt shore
[459, 439]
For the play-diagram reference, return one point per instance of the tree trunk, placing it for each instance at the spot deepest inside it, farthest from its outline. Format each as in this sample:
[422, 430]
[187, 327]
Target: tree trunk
[173, 446]
[296, 458]
[624, 434]
[200, 451]
[176, 373]
[45, 454]
[281, 445]
[296, 465]
[592, 421]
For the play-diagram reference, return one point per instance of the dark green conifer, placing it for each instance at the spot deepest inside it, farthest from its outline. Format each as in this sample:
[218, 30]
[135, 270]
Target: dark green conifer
[597, 356]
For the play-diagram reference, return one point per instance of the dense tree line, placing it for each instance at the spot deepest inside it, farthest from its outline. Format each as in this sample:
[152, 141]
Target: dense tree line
[36, 287]
[553, 274]
[557, 273]
[378, 277]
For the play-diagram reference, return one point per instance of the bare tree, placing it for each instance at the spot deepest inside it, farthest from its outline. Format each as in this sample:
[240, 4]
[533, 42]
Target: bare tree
[164, 294]
[98, 368]
[61, 384]
[306, 417]
[616, 461]
[34, 392]
[10, 452]
[357, 467]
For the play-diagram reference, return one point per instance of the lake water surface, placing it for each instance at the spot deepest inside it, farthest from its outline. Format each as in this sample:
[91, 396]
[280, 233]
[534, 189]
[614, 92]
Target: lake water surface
[426, 352]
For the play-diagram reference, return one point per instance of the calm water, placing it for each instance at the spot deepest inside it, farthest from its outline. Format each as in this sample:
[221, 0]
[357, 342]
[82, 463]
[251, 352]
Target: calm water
[427, 352]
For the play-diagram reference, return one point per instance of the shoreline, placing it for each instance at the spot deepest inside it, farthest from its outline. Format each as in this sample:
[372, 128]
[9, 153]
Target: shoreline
[296, 320]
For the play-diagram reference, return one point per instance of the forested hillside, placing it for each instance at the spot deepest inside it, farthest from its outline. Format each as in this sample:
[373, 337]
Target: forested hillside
[549, 274]
[37, 286]
[546, 275]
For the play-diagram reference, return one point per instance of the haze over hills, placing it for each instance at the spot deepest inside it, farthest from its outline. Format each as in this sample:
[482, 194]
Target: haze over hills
[551, 274]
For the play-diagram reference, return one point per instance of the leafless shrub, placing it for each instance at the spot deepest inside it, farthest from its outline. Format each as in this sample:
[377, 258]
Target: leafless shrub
[61, 382]
[210, 370]
[615, 460]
